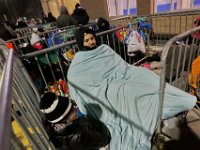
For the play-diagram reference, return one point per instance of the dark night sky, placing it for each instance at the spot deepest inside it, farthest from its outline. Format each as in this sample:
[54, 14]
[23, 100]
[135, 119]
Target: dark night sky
[20, 8]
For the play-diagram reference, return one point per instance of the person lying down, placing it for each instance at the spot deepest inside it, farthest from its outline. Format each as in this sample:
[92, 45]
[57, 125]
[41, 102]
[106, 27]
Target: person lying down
[124, 97]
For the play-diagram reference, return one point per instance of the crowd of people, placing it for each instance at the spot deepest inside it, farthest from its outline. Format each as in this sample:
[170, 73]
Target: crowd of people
[79, 16]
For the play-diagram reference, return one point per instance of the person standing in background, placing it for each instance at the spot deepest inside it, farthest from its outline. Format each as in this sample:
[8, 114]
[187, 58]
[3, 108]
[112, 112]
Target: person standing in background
[50, 18]
[65, 19]
[80, 15]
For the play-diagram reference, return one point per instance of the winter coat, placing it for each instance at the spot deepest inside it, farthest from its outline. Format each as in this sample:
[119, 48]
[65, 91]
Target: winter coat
[81, 16]
[65, 20]
[83, 134]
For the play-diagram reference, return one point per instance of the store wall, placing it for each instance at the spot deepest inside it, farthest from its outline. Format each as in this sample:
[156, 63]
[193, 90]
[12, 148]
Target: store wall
[144, 7]
[95, 8]
[53, 6]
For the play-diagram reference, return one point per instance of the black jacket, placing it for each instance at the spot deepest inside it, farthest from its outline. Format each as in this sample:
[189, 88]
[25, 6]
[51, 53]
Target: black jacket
[81, 16]
[83, 134]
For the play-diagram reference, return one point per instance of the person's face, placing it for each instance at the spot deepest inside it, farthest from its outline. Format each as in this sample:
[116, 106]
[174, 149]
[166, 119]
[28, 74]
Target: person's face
[73, 115]
[89, 41]
[18, 35]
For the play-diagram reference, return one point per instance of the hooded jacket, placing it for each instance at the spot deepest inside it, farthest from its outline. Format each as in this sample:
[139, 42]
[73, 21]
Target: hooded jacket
[79, 35]
[64, 19]
[80, 15]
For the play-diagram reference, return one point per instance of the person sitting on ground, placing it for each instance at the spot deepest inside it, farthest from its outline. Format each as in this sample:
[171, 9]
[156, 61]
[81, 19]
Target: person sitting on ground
[36, 40]
[127, 96]
[80, 15]
[65, 19]
[68, 128]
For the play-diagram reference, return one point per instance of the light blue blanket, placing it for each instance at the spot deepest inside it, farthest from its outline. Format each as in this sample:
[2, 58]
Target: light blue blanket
[124, 97]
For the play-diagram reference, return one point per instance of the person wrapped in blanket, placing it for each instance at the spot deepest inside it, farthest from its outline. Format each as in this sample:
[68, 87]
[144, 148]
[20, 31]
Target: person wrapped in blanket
[68, 128]
[123, 96]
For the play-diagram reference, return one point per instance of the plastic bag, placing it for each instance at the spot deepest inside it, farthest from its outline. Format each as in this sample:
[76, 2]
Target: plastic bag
[135, 42]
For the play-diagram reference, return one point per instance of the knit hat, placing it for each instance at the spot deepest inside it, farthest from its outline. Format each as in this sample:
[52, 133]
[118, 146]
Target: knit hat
[54, 107]
[35, 38]
[79, 35]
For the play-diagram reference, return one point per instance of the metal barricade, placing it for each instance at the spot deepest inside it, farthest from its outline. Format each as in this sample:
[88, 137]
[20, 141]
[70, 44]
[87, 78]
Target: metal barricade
[21, 126]
[176, 60]
[164, 25]
[124, 20]
[47, 38]
[167, 25]
[176, 63]
[6, 60]
[46, 26]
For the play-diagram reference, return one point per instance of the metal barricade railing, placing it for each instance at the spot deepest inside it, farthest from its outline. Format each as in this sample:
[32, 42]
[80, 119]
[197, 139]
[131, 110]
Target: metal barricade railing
[46, 36]
[18, 42]
[167, 25]
[21, 122]
[164, 25]
[27, 30]
[176, 63]
[5, 96]
[124, 20]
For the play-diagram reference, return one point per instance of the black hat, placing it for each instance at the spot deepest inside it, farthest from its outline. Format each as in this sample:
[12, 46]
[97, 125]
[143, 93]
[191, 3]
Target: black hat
[55, 107]
[79, 35]
[103, 24]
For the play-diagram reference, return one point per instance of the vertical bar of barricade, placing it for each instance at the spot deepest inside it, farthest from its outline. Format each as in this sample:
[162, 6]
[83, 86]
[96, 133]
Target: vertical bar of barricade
[5, 98]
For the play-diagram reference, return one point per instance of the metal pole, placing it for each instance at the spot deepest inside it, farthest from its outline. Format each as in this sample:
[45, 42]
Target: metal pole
[5, 101]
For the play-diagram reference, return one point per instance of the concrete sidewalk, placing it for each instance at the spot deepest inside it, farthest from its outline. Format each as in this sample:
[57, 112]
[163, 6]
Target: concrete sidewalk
[185, 136]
